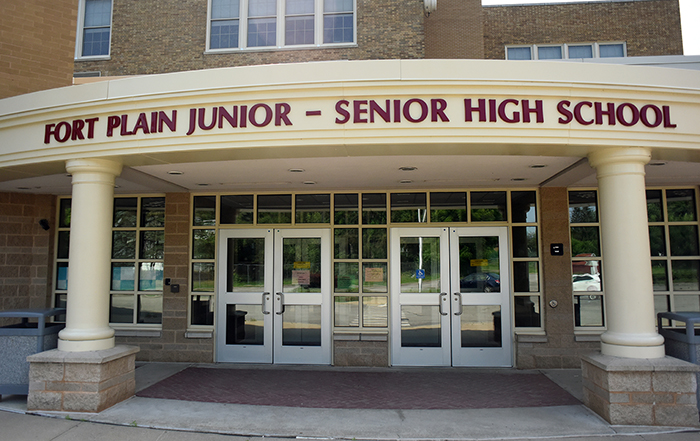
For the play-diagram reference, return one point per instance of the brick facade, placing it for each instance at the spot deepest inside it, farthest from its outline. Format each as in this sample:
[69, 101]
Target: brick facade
[26, 251]
[649, 27]
[145, 40]
[455, 30]
[37, 41]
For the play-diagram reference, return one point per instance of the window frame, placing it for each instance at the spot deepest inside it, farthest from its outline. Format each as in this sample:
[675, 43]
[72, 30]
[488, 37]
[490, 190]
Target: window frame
[534, 49]
[82, 9]
[281, 17]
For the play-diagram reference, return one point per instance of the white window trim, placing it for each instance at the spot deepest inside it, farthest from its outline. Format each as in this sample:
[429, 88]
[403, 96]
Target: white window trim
[243, 30]
[79, 34]
[565, 49]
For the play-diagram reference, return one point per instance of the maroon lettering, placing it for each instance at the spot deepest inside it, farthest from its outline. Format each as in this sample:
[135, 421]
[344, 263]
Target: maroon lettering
[563, 108]
[91, 127]
[537, 110]
[397, 111]
[163, 119]
[599, 113]
[200, 118]
[658, 115]
[113, 122]
[437, 110]
[469, 109]
[384, 113]
[65, 137]
[141, 123]
[193, 119]
[667, 117]
[515, 118]
[77, 130]
[231, 118]
[423, 110]
[244, 116]
[282, 114]
[358, 110]
[577, 113]
[253, 113]
[621, 114]
[340, 109]
[154, 122]
[123, 130]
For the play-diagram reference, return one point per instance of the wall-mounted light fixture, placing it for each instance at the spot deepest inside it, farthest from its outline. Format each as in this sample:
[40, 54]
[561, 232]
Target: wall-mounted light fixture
[44, 224]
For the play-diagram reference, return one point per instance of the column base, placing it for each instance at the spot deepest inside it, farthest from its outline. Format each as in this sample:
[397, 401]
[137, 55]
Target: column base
[648, 392]
[642, 352]
[85, 345]
[81, 381]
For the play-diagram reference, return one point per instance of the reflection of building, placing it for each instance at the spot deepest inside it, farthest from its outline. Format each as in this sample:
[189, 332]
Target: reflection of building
[355, 133]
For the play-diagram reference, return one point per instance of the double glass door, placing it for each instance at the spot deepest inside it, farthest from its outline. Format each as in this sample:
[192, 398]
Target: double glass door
[274, 297]
[450, 297]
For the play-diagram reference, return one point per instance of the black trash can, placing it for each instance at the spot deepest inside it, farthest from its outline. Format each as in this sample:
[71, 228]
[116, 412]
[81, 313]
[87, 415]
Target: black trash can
[33, 335]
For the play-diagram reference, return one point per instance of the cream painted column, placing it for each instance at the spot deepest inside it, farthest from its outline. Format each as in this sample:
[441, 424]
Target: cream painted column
[87, 309]
[627, 279]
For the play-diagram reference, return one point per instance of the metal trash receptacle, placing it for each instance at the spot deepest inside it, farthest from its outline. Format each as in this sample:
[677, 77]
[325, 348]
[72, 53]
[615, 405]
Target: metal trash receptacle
[682, 343]
[21, 340]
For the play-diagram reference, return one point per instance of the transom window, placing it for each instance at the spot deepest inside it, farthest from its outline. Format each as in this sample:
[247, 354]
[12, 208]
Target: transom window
[94, 28]
[243, 24]
[566, 51]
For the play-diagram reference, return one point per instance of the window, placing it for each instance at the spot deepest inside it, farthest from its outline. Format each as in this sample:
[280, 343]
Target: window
[94, 28]
[565, 51]
[252, 24]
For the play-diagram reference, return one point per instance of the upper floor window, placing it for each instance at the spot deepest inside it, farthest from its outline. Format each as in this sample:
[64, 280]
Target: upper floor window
[565, 51]
[94, 28]
[242, 24]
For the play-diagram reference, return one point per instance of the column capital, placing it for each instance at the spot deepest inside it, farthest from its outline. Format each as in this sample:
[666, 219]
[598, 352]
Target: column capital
[93, 165]
[619, 155]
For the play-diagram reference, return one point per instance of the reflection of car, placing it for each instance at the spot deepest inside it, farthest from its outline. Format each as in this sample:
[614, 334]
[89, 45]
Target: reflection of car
[481, 282]
[586, 282]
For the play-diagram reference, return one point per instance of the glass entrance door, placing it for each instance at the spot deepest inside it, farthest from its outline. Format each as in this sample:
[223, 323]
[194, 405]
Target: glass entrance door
[274, 296]
[449, 297]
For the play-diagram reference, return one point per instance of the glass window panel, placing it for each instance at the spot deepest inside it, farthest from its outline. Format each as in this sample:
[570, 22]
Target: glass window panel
[95, 42]
[203, 244]
[583, 207]
[611, 50]
[420, 326]
[448, 207]
[524, 206]
[203, 277]
[659, 275]
[347, 278]
[262, 32]
[150, 308]
[238, 209]
[151, 276]
[125, 212]
[224, 34]
[204, 211]
[301, 264]
[525, 242]
[261, 8]
[657, 240]
[301, 325]
[527, 311]
[549, 53]
[479, 264]
[313, 208]
[526, 277]
[98, 12]
[581, 51]
[123, 277]
[681, 205]
[123, 244]
[374, 277]
[586, 275]
[152, 244]
[480, 326]
[685, 275]
[662, 303]
[274, 209]
[224, 8]
[62, 276]
[374, 208]
[337, 5]
[299, 6]
[686, 303]
[488, 206]
[346, 209]
[64, 213]
[152, 212]
[374, 243]
[519, 53]
[585, 242]
[684, 240]
[60, 303]
[244, 325]
[374, 312]
[246, 264]
[299, 30]
[121, 308]
[346, 242]
[347, 311]
[655, 210]
[588, 310]
[338, 28]
[202, 310]
[63, 244]
[408, 207]
[420, 264]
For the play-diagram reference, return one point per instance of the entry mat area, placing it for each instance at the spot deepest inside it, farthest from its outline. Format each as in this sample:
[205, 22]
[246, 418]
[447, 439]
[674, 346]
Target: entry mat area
[400, 389]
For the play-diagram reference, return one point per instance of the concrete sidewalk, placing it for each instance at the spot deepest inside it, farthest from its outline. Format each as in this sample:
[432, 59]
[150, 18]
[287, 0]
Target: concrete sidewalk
[168, 420]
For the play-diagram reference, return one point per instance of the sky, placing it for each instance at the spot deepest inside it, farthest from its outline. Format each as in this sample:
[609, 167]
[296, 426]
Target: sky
[690, 17]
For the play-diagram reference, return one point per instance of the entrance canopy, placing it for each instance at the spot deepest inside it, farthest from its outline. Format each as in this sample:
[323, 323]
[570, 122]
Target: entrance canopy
[472, 123]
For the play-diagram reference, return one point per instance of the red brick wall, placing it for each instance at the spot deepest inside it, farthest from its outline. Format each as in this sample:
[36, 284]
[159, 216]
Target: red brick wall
[650, 27]
[455, 30]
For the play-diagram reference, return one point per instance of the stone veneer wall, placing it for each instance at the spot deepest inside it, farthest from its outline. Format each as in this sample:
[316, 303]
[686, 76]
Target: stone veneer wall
[147, 40]
[650, 27]
[26, 251]
[173, 345]
[559, 348]
[455, 30]
[360, 350]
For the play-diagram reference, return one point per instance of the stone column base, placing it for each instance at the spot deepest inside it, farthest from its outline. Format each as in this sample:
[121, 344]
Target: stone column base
[632, 391]
[81, 381]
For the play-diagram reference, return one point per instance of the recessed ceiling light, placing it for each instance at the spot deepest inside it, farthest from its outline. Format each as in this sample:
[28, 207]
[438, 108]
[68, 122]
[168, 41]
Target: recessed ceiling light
[24, 188]
[657, 164]
[204, 185]
[176, 172]
[405, 181]
[309, 182]
[408, 168]
[296, 170]
[538, 165]
[518, 179]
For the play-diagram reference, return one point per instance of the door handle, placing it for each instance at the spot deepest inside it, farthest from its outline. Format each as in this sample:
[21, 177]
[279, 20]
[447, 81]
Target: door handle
[280, 297]
[442, 295]
[265, 298]
[458, 297]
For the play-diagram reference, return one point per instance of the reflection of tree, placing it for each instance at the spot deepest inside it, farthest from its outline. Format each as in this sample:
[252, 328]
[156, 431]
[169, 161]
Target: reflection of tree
[583, 214]
[487, 215]
[584, 240]
[204, 246]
